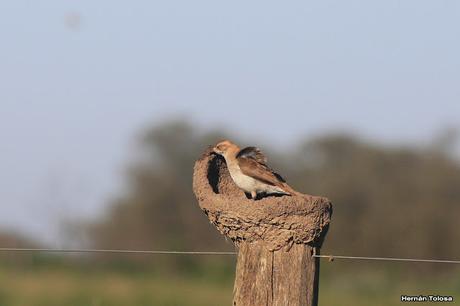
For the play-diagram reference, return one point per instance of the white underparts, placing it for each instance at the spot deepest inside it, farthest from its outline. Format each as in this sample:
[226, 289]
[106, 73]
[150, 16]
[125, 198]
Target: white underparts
[249, 184]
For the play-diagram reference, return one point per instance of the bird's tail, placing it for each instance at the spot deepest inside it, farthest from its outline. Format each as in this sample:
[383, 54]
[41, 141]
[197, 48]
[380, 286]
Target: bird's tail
[289, 190]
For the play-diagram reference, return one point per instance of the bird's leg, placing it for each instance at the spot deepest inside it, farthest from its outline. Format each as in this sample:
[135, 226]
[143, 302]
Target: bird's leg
[254, 195]
[248, 195]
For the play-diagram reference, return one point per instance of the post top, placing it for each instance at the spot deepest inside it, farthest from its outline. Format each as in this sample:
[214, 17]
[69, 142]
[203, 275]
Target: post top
[278, 221]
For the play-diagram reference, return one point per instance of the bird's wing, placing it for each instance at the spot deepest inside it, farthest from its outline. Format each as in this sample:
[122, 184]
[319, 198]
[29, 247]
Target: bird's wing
[251, 167]
[254, 153]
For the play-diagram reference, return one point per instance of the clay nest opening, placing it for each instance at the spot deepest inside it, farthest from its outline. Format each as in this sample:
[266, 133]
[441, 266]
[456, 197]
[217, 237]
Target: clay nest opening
[278, 221]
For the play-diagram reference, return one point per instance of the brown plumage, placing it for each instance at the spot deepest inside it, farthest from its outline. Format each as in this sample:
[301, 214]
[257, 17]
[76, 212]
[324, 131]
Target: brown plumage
[248, 169]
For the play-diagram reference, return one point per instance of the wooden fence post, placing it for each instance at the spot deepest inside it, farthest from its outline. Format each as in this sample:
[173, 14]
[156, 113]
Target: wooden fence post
[276, 237]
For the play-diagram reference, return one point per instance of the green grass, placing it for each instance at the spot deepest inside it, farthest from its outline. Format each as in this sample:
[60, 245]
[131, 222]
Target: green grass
[64, 283]
[363, 284]
[57, 287]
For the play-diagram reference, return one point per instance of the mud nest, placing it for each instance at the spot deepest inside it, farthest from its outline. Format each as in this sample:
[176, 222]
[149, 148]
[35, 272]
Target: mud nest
[278, 221]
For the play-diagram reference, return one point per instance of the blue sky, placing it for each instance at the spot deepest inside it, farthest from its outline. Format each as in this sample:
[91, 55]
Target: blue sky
[73, 97]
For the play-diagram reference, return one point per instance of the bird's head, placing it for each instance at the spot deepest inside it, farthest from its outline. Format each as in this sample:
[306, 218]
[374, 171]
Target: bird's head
[225, 148]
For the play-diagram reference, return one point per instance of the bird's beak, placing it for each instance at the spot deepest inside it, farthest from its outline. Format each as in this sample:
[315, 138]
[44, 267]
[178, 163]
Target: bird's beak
[214, 151]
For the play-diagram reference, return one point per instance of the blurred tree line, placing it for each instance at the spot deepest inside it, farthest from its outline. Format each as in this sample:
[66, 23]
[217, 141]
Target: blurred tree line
[388, 201]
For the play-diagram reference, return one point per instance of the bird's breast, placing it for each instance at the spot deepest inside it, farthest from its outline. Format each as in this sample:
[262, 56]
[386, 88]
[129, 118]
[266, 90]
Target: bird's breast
[242, 180]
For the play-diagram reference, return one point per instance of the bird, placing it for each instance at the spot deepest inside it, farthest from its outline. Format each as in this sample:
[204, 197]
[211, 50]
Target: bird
[248, 169]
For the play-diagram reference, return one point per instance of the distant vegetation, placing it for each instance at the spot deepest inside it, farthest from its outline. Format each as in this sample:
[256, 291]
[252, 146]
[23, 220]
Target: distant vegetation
[388, 201]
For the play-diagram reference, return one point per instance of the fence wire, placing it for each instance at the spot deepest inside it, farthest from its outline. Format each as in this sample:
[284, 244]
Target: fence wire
[167, 252]
[115, 251]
